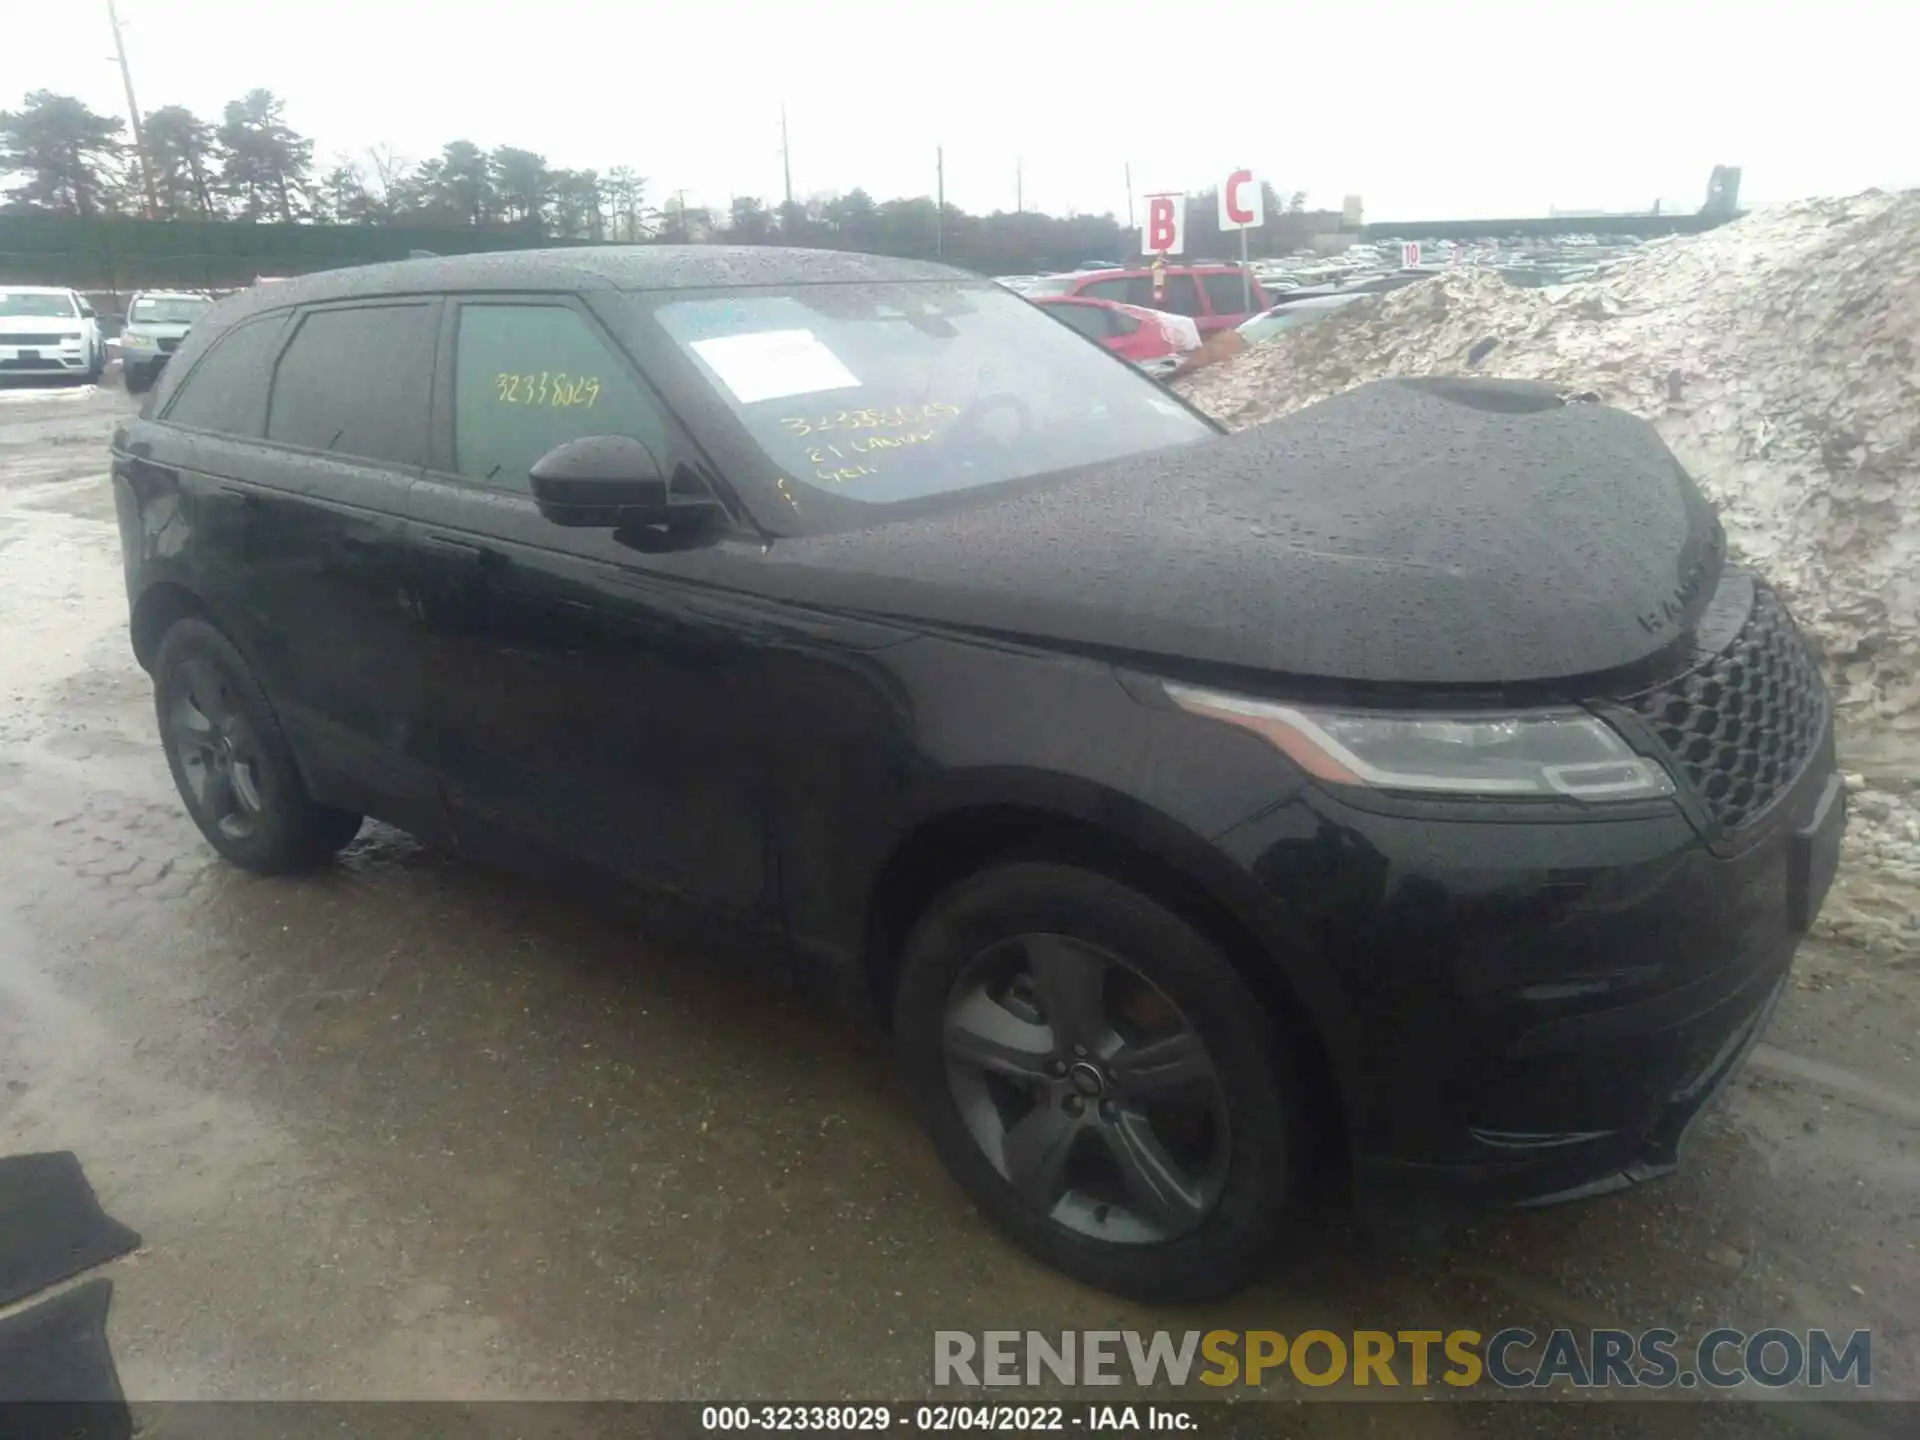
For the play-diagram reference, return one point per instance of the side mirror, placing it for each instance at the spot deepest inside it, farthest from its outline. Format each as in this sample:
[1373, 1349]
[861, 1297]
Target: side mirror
[601, 481]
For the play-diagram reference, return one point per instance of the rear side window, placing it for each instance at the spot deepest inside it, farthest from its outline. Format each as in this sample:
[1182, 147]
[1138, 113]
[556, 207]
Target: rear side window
[1089, 320]
[1227, 294]
[356, 382]
[227, 390]
[1107, 290]
[530, 377]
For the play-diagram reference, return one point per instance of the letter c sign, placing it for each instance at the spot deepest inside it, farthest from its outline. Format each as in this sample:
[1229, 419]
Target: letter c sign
[1242, 201]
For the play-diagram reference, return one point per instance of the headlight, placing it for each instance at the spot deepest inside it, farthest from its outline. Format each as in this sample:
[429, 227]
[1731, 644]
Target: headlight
[1545, 753]
[136, 342]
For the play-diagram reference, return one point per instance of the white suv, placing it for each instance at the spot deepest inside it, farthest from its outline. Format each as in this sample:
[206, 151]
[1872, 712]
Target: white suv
[49, 331]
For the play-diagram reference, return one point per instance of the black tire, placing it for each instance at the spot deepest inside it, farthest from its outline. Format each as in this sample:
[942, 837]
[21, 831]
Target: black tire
[1253, 1080]
[134, 378]
[98, 367]
[255, 811]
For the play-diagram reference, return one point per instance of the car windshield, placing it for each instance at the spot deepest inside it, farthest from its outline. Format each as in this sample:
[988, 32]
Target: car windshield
[39, 304]
[888, 393]
[168, 310]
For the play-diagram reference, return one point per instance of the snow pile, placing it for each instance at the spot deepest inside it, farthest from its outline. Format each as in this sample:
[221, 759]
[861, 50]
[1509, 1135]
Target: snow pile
[1779, 356]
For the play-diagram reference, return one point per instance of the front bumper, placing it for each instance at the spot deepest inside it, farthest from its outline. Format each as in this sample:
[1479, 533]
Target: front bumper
[1541, 1008]
[42, 359]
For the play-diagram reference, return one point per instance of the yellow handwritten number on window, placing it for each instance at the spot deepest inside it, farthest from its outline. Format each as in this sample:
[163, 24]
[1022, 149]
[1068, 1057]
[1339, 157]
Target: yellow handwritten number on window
[552, 389]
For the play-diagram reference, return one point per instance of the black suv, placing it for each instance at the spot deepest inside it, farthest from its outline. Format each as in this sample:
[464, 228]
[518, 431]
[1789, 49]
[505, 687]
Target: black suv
[1410, 781]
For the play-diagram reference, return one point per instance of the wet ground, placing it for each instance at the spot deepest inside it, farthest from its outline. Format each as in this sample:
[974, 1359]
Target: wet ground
[408, 1128]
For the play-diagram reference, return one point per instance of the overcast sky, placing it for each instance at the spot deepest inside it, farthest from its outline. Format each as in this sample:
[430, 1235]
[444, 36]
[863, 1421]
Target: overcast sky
[1435, 109]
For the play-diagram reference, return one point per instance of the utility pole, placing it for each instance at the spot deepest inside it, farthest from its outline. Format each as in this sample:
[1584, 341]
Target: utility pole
[1019, 191]
[939, 201]
[133, 110]
[682, 235]
[1129, 195]
[786, 157]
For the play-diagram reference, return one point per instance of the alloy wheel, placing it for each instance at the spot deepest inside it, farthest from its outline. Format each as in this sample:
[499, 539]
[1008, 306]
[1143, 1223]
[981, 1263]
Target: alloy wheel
[1087, 1089]
[219, 755]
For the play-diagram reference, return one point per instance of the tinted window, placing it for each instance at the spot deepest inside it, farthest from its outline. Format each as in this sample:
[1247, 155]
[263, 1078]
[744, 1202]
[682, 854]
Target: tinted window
[227, 390]
[1227, 294]
[1106, 290]
[1089, 320]
[530, 377]
[1122, 323]
[1182, 297]
[356, 382]
[893, 392]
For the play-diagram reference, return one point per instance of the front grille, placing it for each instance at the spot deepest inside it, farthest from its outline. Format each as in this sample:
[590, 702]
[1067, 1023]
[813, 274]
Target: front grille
[27, 342]
[1742, 725]
[167, 347]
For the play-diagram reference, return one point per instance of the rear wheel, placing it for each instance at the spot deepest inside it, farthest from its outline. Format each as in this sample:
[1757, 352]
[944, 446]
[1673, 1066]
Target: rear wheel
[231, 761]
[1100, 1080]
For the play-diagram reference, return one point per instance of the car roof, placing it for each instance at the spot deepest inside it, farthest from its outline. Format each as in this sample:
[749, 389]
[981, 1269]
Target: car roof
[170, 295]
[594, 267]
[36, 289]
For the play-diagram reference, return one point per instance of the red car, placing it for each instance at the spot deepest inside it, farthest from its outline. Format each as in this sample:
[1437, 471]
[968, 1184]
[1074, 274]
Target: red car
[1151, 339]
[1214, 297]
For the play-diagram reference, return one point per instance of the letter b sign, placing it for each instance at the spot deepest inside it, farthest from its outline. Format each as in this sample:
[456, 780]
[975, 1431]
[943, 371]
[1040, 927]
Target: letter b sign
[1165, 232]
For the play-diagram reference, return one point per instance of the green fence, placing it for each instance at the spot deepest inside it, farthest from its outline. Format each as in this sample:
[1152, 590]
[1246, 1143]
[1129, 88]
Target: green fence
[116, 256]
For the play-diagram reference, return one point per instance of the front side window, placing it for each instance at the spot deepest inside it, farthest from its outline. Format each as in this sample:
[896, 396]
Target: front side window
[883, 393]
[356, 382]
[1089, 320]
[227, 391]
[530, 377]
[37, 304]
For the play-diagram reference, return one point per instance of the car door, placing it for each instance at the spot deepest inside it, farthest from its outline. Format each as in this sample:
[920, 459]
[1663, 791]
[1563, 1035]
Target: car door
[584, 698]
[298, 512]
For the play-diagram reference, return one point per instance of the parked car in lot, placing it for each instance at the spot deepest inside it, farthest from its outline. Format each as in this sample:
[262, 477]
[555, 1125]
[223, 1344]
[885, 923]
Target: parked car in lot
[1214, 297]
[157, 321]
[1151, 339]
[1294, 314]
[49, 330]
[1411, 784]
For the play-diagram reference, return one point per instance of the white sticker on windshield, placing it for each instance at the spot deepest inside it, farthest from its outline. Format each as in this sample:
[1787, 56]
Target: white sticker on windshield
[772, 364]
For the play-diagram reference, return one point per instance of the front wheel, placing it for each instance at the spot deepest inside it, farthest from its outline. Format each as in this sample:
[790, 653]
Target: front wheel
[135, 378]
[1100, 1080]
[231, 762]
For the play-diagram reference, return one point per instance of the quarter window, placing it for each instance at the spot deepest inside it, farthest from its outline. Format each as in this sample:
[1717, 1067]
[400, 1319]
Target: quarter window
[356, 382]
[530, 377]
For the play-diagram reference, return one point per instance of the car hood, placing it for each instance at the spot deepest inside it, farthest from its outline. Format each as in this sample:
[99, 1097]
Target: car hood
[1409, 531]
[42, 325]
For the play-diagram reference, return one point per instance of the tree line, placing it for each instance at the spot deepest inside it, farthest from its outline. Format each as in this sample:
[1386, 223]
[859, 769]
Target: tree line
[253, 166]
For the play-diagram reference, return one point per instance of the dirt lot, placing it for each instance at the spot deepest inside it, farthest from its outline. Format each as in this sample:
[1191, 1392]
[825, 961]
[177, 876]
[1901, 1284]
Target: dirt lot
[408, 1128]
